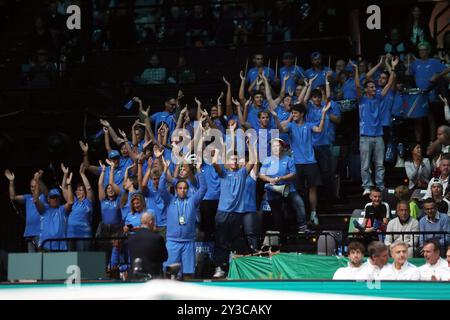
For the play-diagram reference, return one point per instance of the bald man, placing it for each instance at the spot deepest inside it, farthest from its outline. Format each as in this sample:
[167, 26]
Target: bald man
[149, 246]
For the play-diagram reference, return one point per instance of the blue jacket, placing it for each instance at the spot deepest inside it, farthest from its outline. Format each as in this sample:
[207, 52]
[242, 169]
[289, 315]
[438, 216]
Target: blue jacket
[186, 208]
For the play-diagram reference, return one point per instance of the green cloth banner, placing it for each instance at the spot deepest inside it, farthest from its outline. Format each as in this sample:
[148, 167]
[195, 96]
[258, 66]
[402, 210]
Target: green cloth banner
[284, 266]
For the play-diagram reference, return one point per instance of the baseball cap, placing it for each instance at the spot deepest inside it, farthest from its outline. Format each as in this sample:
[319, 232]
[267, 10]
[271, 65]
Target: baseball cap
[436, 181]
[315, 54]
[113, 154]
[54, 193]
[423, 45]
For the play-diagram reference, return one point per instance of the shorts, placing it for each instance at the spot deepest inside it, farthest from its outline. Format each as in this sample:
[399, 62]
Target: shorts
[181, 252]
[308, 175]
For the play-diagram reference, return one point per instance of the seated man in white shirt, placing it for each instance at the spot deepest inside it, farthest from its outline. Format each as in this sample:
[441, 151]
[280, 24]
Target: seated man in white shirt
[378, 258]
[403, 223]
[436, 268]
[401, 269]
[355, 263]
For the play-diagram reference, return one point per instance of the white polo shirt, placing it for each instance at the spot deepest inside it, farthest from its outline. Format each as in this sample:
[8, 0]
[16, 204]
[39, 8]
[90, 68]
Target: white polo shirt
[440, 270]
[369, 271]
[408, 272]
[347, 273]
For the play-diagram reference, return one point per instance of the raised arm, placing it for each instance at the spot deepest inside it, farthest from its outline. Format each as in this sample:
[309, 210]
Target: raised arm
[357, 82]
[147, 174]
[12, 189]
[268, 89]
[111, 131]
[219, 105]
[327, 85]
[198, 196]
[69, 203]
[252, 158]
[229, 106]
[107, 142]
[242, 117]
[308, 90]
[280, 126]
[37, 191]
[87, 185]
[85, 148]
[319, 128]
[101, 179]
[112, 167]
[391, 77]
[375, 68]
[242, 89]
[65, 171]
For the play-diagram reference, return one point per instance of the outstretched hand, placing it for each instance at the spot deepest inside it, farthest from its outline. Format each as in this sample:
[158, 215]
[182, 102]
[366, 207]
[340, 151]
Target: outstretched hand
[84, 146]
[64, 169]
[9, 175]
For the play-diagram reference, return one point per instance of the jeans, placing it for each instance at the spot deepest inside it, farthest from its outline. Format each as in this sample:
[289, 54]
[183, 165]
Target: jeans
[372, 150]
[295, 202]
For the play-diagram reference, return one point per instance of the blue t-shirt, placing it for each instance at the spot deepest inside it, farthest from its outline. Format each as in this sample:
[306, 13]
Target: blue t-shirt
[134, 219]
[277, 167]
[300, 139]
[349, 89]
[283, 115]
[166, 117]
[33, 218]
[423, 70]
[321, 78]
[253, 73]
[111, 211]
[212, 182]
[232, 188]
[397, 106]
[313, 116]
[295, 73]
[119, 174]
[250, 194]
[335, 110]
[54, 226]
[370, 116]
[386, 108]
[182, 213]
[253, 112]
[79, 222]
[156, 203]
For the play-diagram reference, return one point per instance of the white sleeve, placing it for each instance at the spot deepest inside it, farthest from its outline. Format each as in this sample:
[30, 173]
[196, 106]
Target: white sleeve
[447, 113]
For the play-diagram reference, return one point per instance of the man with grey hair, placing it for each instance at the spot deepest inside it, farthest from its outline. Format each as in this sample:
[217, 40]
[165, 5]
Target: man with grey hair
[403, 223]
[148, 246]
[378, 259]
[401, 269]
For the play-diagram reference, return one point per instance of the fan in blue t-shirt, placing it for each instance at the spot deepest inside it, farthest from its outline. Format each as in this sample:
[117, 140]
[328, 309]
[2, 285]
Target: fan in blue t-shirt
[371, 146]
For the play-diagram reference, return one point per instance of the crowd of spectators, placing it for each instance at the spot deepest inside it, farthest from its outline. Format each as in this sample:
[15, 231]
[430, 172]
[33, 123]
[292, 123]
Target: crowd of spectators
[270, 147]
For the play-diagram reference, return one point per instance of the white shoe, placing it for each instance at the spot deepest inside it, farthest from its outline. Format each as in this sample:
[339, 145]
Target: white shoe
[314, 218]
[366, 192]
[219, 273]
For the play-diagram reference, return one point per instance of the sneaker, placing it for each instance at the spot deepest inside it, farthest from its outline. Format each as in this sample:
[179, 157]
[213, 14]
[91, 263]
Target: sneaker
[314, 218]
[219, 273]
[366, 192]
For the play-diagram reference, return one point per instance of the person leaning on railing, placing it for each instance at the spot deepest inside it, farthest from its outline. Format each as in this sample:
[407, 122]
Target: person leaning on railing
[433, 221]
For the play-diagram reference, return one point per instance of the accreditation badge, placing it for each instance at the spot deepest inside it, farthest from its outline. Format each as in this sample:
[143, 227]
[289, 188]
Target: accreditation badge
[182, 220]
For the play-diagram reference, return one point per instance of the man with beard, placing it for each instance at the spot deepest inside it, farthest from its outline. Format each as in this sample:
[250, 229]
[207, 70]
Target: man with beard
[355, 262]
